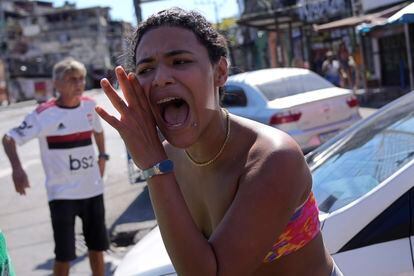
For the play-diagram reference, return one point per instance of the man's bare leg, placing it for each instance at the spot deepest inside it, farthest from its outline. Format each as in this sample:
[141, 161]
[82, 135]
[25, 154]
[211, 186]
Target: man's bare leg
[61, 268]
[96, 261]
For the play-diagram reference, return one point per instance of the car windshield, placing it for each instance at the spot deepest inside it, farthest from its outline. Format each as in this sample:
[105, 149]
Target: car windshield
[292, 85]
[360, 161]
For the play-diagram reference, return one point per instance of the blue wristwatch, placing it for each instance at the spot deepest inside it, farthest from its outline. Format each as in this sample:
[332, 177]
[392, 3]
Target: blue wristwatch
[163, 167]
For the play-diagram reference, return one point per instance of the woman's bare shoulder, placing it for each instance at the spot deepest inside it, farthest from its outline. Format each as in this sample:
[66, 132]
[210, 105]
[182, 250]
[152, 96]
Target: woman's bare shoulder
[275, 160]
[269, 142]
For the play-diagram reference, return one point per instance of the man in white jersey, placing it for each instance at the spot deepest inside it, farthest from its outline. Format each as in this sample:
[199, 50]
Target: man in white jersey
[64, 127]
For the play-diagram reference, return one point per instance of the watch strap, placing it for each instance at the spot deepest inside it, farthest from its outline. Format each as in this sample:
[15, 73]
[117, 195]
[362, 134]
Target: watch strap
[163, 167]
[104, 156]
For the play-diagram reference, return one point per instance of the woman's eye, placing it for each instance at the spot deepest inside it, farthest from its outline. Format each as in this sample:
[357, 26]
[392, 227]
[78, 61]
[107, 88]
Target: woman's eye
[181, 61]
[143, 71]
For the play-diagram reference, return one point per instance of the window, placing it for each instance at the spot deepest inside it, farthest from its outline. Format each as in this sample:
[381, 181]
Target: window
[360, 161]
[233, 96]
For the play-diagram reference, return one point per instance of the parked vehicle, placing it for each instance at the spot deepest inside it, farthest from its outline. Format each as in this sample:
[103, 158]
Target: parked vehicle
[363, 182]
[295, 100]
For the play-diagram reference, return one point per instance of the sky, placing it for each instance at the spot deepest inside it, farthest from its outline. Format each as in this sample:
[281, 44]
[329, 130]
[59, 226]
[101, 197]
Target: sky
[124, 9]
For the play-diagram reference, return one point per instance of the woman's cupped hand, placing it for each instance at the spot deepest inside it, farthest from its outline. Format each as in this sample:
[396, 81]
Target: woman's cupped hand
[136, 124]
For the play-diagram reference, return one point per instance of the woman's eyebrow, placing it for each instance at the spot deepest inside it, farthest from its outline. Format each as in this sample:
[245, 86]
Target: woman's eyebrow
[145, 60]
[167, 54]
[177, 52]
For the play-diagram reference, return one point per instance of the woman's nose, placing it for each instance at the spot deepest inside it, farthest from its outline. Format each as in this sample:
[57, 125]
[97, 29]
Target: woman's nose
[162, 77]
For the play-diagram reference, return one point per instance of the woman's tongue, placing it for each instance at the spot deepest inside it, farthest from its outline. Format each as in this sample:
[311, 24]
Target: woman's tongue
[175, 115]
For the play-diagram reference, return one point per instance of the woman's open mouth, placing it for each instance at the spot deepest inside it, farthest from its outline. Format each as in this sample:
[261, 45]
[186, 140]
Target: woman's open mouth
[174, 111]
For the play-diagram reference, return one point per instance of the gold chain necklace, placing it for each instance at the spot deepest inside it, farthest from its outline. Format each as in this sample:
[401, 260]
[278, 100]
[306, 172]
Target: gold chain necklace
[203, 164]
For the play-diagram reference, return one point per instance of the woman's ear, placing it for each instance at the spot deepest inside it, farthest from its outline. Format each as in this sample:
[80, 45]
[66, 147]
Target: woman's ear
[221, 72]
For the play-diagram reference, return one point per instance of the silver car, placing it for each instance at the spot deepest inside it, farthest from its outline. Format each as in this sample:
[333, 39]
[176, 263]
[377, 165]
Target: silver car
[295, 100]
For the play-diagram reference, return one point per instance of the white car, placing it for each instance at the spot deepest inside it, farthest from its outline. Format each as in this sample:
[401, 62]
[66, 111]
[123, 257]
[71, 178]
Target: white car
[295, 100]
[363, 180]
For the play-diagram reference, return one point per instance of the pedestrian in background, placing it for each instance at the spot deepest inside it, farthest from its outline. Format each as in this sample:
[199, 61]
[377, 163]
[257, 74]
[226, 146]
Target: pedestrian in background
[231, 196]
[347, 67]
[64, 127]
[330, 68]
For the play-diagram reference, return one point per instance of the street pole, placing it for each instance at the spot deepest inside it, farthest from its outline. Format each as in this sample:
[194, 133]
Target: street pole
[138, 13]
[409, 56]
[138, 10]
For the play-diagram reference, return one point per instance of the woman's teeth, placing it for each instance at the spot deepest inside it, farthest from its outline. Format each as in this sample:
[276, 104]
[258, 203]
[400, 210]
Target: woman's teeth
[173, 110]
[166, 100]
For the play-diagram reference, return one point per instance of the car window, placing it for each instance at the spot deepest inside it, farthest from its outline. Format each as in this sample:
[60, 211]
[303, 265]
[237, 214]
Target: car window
[292, 85]
[233, 96]
[361, 160]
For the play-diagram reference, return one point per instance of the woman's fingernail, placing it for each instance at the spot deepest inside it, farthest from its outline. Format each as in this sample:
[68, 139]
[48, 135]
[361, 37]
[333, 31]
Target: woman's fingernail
[119, 69]
[104, 82]
[131, 76]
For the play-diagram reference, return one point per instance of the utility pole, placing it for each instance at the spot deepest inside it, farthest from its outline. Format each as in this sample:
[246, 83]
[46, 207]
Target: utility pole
[138, 10]
[137, 7]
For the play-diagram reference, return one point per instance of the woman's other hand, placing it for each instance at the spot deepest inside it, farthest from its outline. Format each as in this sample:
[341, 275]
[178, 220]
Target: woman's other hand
[136, 124]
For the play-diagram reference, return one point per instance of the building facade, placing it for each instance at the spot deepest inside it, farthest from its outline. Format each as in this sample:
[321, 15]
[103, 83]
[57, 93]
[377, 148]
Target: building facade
[300, 32]
[39, 34]
[289, 27]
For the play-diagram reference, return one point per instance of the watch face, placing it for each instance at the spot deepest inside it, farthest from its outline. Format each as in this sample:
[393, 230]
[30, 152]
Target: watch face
[166, 166]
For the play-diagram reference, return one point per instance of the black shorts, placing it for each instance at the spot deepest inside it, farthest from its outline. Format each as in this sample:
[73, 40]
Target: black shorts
[92, 213]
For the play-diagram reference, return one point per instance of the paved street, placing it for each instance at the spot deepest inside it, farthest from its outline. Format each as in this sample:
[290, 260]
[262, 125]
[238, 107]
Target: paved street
[25, 219]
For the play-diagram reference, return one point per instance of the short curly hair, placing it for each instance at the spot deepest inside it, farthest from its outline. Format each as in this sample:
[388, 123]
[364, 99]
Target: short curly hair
[67, 65]
[206, 34]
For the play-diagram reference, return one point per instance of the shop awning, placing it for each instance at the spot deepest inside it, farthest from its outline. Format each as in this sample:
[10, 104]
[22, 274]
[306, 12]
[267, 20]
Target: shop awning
[349, 22]
[404, 15]
[377, 18]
